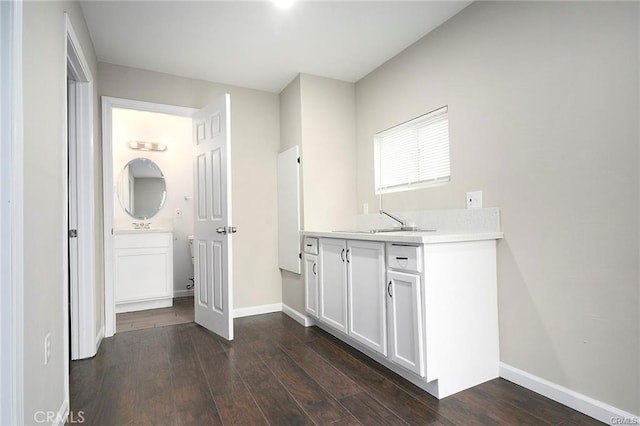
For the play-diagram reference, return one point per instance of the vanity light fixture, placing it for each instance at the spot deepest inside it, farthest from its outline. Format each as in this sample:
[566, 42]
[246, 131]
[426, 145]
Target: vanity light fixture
[147, 146]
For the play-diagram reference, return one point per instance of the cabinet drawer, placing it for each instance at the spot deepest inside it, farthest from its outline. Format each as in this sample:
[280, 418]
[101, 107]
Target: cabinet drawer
[404, 257]
[310, 245]
[143, 240]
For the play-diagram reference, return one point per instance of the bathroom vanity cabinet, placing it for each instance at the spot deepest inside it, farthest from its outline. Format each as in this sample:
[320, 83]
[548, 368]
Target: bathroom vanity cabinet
[143, 270]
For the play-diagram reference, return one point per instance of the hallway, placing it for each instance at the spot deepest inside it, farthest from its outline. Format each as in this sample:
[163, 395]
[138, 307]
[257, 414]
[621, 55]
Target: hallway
[275, 372]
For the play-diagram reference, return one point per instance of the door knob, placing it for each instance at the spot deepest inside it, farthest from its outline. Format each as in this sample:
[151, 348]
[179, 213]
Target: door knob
[221, 230]
[232, 229]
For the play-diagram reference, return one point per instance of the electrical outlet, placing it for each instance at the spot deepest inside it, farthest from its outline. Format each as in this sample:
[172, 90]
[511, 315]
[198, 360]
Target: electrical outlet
[47, 348]
[178, 213]
[474, 200]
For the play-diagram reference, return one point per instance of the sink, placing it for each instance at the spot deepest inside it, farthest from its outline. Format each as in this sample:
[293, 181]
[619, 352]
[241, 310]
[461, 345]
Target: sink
[383, 230]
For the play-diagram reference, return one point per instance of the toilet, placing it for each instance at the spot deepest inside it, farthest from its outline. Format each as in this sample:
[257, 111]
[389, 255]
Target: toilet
[190, 238]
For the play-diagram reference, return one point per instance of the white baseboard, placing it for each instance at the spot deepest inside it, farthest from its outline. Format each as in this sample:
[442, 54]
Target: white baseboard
[98, 340]
[143, 305]
[257, 310]
[182, 293]
[579, 402]
[297, 316]
[61, 415]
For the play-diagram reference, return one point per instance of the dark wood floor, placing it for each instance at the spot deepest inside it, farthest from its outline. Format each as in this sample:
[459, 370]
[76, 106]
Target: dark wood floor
[276, 372]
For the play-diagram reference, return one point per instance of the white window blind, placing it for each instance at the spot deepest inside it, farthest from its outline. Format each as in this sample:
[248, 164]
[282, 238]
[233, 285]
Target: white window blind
[413, 154]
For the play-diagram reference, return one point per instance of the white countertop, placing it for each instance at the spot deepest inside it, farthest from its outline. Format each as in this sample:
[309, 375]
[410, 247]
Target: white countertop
[417, 237]
[141, 231]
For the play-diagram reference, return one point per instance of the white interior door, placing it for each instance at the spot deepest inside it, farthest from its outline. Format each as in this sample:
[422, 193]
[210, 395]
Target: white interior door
[213, 296]
[73, 218]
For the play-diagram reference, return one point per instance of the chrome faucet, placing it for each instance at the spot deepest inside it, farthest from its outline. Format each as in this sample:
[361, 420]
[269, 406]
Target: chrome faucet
[141, 225]
[400, 221]
[403, 224]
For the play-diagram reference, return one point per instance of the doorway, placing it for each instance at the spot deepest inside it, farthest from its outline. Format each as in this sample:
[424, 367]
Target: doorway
[128, 126]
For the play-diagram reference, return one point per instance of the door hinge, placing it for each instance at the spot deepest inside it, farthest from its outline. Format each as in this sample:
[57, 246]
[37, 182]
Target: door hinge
[73, 233]
[299, 255]
[298, 160]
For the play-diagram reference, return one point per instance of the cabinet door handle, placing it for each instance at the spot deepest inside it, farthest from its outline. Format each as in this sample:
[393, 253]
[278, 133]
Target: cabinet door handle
[314, 269]
[401, 258]
[348, 259]
[342, 255]
[389, 289]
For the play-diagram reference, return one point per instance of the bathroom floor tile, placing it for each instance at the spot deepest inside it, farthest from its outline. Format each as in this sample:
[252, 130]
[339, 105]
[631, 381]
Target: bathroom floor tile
[180, 313]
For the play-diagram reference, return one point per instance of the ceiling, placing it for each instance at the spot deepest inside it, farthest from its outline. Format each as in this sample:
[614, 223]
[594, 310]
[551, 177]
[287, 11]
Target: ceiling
[257, 44]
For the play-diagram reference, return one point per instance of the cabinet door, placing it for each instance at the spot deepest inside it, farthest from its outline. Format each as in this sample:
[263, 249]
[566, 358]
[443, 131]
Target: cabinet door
[406, 344]
[311, 284]
[333, 283]
[366, 295]
[143, 266]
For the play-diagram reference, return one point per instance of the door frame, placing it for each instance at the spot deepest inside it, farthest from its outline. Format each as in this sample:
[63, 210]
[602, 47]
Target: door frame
[11, 217]
[84, 334]
[108, 189]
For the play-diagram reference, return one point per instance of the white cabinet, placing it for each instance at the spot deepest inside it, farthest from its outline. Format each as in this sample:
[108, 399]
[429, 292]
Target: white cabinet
[143, 270]
[332, 288]
[311, 276]
[351, 290]
[406, 345]
[311, 284]
[426, 311]
[406, 317]
[366, 296]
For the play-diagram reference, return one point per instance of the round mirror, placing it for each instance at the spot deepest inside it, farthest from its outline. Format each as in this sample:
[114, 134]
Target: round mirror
[142, 190]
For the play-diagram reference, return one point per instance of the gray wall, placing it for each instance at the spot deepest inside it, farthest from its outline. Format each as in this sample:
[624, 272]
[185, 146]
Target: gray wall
[318, 114]
[45, 148]
[328, 152]
[291, 135]
[543, 107]
[255, 143]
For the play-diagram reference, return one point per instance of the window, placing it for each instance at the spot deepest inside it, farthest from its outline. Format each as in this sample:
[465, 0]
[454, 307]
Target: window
[414, 154]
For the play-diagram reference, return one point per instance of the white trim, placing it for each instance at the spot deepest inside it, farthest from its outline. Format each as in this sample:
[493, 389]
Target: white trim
[83, 295]
[143, 305]
[108, 104]
[64, 226]
[11, 217]
[98, 338]
[300, 318]
[112, 102]
[107, 231]
[579, 402]
[257, 310]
